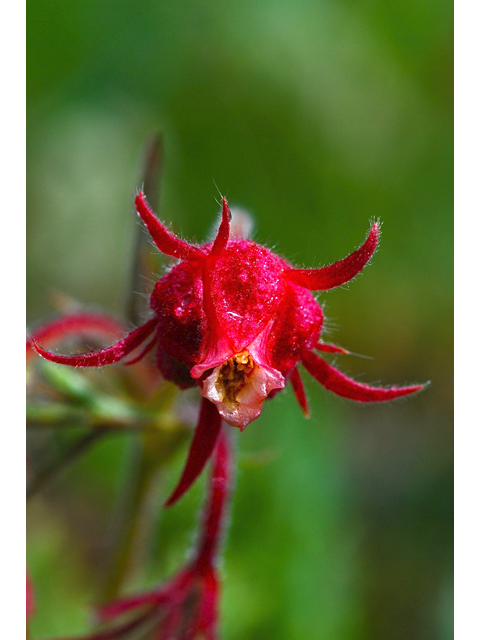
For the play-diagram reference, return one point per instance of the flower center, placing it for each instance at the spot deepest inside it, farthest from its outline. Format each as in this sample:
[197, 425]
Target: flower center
[234, 376]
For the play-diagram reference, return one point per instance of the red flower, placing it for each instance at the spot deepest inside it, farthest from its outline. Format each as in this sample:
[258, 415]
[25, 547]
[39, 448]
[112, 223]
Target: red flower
[187, 605]
[236, 319]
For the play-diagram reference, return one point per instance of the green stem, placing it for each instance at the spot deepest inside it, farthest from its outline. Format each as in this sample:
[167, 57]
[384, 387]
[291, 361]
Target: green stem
[129, 516]
[50, 471]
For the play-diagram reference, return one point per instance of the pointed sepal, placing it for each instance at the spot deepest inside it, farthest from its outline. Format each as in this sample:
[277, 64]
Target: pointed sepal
[331, 348]
[338, 273]
[223, 233]
[201, 448]
[80, 324]
[104, 356]
[344, 386]
[166, 241]
[299, 391]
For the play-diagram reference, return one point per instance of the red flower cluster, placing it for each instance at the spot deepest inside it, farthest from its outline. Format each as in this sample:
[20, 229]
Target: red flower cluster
[236, 319]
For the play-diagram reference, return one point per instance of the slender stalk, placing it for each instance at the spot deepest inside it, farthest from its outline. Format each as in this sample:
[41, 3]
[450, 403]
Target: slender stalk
[141, 267]
[129, 524]
[50, 471]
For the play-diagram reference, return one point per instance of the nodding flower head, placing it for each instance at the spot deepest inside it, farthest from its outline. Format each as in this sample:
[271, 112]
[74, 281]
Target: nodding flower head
[236, 319]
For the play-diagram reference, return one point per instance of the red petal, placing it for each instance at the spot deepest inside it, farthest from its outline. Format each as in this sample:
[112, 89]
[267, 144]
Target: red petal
[338, 273]
[105, 356]
[165, 240]
[206, 432]
[343, 386]
[299, 391]
[221, 240]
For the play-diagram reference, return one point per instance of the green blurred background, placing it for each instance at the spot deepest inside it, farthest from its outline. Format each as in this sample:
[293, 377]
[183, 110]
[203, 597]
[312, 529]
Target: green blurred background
[316, 117]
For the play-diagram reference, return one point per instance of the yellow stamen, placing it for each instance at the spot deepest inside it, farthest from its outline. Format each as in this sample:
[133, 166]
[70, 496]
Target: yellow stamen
[234, 375]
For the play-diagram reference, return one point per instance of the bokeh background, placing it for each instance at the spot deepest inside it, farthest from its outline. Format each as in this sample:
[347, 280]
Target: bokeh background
[316, 116]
